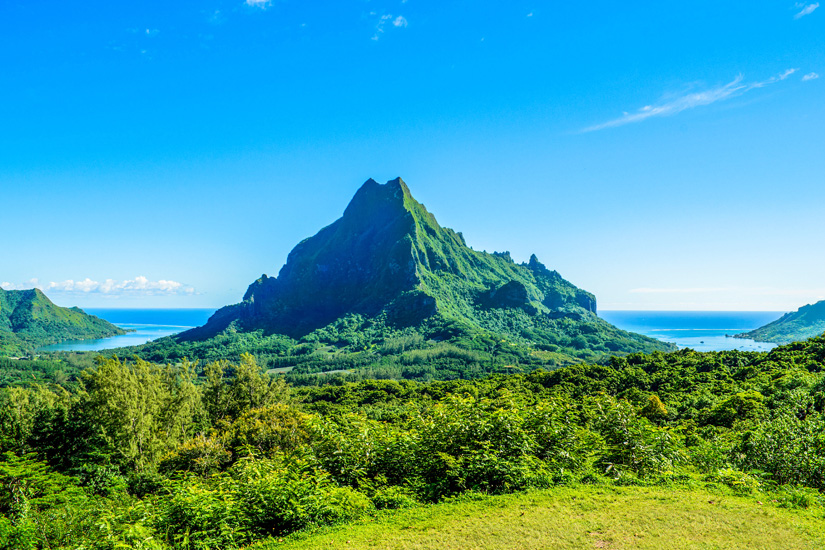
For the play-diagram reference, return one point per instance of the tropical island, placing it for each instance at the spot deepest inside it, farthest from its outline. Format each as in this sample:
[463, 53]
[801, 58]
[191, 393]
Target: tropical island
[326, 363]
[389, 379]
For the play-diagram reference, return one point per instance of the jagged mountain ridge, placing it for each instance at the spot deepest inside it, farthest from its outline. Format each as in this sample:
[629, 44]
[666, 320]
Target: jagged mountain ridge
[28, 319]
[388, 255]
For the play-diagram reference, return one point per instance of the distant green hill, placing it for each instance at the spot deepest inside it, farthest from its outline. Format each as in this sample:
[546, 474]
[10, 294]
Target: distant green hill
[28, 320]
[387, 276]
[806, 322]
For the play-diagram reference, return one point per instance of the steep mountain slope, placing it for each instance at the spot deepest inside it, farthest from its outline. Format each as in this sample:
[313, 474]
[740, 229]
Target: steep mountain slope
[387, 253]
[806, 322]
[387, 261]
[28, 319]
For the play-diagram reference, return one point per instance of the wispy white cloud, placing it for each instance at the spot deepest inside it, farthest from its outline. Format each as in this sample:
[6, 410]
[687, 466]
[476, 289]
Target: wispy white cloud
[530, 14]
[379, 26]
[216, 17]
[137, 286]
[734, 88]
[397, 21]
[810, 76]
[782, 76]
[806, 9]
[31, 283]
[263, 4]
[151, 32]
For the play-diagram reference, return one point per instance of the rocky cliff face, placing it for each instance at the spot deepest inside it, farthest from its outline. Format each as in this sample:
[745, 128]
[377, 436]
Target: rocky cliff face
[388, 255]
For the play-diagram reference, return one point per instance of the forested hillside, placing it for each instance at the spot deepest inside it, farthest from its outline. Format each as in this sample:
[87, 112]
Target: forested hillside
[804, 323]
[28, 319]
[221, 455]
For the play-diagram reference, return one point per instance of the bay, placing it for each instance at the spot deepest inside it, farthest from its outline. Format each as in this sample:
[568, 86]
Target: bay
[146, 324]
[698, 330]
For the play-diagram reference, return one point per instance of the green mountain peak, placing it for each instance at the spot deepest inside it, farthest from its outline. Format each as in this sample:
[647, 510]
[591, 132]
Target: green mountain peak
[388, 259]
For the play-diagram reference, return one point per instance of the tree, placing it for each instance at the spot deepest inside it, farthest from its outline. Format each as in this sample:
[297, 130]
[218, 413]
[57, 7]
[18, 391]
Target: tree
[142, 410]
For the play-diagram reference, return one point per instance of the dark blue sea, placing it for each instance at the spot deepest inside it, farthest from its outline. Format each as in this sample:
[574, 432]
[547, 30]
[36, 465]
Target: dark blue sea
[147, 324]
[700, 330]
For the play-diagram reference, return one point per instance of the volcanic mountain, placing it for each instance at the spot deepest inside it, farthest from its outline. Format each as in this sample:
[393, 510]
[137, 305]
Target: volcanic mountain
[388, 259]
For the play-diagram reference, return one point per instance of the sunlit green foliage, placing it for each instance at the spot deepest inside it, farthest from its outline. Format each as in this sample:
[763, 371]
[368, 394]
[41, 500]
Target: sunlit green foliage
[140, 455]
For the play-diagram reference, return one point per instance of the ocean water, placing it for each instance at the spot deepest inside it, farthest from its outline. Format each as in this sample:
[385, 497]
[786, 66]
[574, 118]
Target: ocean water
[699, 330]
[147, 324]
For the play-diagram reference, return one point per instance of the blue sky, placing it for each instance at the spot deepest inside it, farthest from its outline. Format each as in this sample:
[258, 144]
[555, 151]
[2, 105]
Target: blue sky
[660, 155]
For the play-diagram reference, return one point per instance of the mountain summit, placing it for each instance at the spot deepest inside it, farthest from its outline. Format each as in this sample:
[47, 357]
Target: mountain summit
[387, 278]
[388, 255]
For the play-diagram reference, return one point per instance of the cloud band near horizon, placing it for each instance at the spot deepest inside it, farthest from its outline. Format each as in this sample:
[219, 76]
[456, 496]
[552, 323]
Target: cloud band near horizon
[139, 286]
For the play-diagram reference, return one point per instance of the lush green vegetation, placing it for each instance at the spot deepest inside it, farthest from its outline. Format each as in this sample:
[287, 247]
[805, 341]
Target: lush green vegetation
[356, 347]
[48, 369]
[28, 320]
[386, 270]
[806, 322]
[221, 455]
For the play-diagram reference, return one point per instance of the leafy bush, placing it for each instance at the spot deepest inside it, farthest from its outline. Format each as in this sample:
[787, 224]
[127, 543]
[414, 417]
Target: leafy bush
[740, 482]
[278, 499]
[792, 450]
[201, 514]
[632, 442]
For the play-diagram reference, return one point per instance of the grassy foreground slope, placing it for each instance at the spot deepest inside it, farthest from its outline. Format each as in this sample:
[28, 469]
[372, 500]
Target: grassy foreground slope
[579, 518]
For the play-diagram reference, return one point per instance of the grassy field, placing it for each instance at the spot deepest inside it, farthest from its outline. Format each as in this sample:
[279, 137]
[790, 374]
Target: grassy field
[611, 518]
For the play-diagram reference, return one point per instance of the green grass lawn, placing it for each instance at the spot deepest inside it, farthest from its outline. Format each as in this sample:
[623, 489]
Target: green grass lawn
[581, 518]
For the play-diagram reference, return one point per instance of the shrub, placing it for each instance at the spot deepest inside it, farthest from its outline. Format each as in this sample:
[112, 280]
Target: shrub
[741, 406]
[201, 515]
[277, 499]
[277, 428]
[201, 455]
[393, 497]
[790, 449]
[632, 442]
[741, 482]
